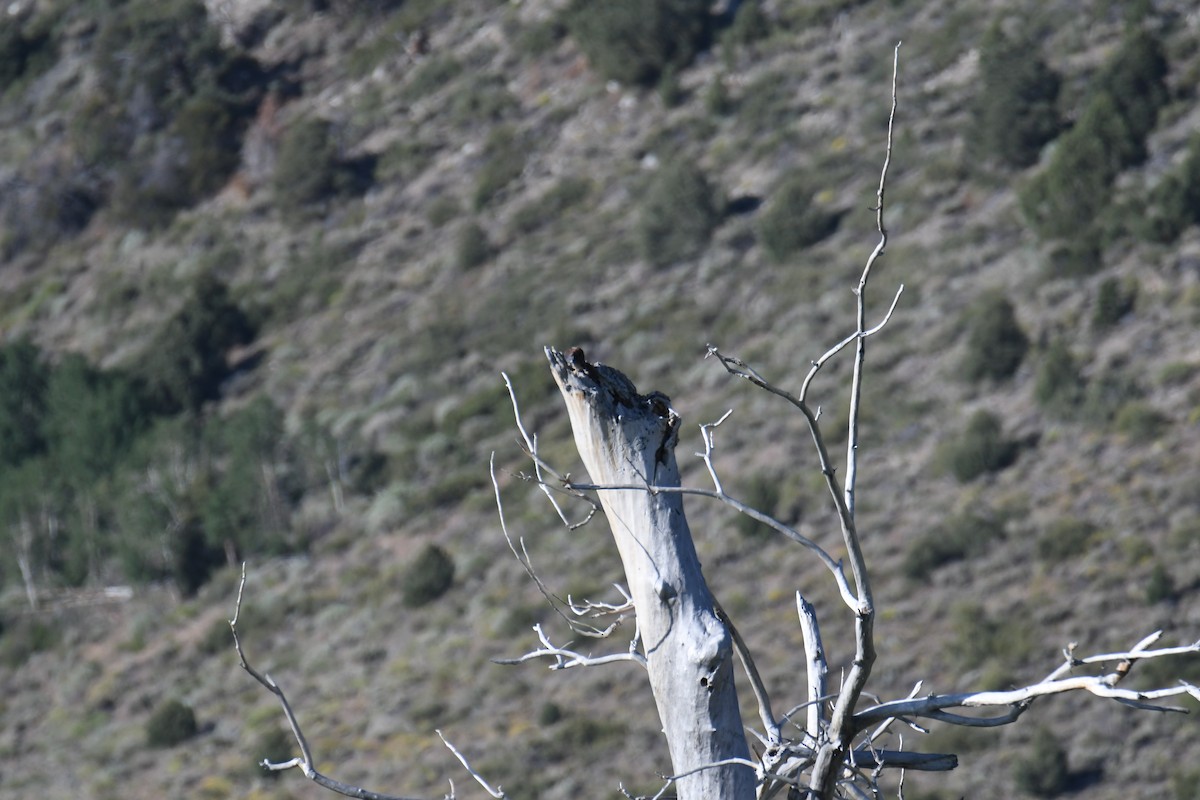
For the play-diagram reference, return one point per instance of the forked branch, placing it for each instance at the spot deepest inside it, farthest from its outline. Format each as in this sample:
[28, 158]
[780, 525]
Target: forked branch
[304, 762]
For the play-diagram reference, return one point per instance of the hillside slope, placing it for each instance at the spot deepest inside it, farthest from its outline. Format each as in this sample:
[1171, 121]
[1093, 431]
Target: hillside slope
[424, 195]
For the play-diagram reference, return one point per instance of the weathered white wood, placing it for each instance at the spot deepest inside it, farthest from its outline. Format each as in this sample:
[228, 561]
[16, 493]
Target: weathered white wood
[624, 439]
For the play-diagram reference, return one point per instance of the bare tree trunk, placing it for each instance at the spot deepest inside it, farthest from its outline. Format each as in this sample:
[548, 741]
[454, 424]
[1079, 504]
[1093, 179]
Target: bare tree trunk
[628, 439]
[24, 548]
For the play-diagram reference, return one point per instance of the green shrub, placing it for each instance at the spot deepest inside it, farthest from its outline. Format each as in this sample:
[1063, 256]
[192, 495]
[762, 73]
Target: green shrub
[539, 38]
[307, 168]
[92, 419]
[442, 209]
[1015, 111]
[243, 505]
[193, 557]
[25, 50]
[272, 744]
[1140, 421]
[549, 714]
[481, 100]
[1065, 538]
[1042, 772]
[1074, 258]
[1065, 200]
[980, 448]
[428, 577]
[568, 192]
[1185, 533]
[1114, 299]
[23, 380]
[1136, 78]
[1160, 586]
[160, 52]
[669, 89]
[1058, 388]
[1173, 204]
[955, 539]
[678, 215]
[171, 723]
[187, 361]
[761, 492]
[716, 98]
[208, 126]
[750, 25]
[1178, 373]
[1106, 394]
[996, 345]
[1185, 784]
[21, 639]
[633, 41]
[793, 220]
[48, 200]
[980, 639]
[471, 248]
[13, 51]
[404, 159]
[503, 162]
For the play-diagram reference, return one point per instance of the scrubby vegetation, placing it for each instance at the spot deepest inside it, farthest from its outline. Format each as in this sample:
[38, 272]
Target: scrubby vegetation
[635, 41]
[261, 267]
[679, 214]
[1042, 771]
[171, 723]
[793, 219]
[957, 538]
[1015, 112]
[996, 343]
[428, 577]
[980, 448]
[1067, 198]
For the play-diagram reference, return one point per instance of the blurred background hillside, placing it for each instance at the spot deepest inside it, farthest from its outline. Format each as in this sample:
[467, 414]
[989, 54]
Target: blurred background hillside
[262, 263]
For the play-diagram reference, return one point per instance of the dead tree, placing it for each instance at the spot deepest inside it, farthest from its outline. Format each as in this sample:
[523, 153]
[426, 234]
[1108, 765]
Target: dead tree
[829, 744]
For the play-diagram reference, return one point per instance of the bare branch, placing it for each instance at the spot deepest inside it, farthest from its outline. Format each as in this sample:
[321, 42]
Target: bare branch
[904, 759]
[305, 761]
[526, 562]
[933, 706]
[706, 433]
[835, 567]
[833, 754]
[861, 294]
[531, 449]
[595, 608]
[565, 659]
[487, 787]
[816, 667]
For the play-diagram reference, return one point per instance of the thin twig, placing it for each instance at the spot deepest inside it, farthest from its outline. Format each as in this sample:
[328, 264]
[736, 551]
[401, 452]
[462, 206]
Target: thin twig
[496, 792]
[835, 567]
[529, 446]
[706, 434]
[305, 761]
[525, 561]
[565, 659]
[861, 296]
